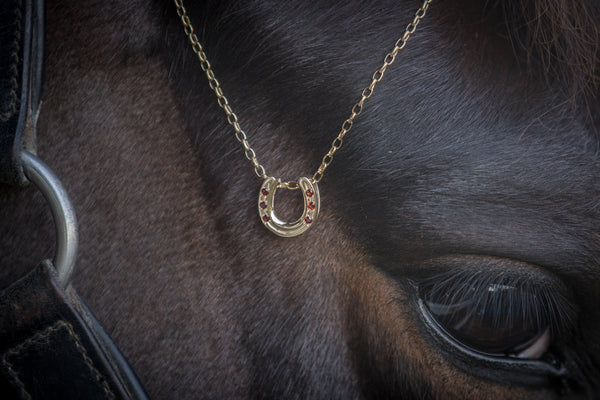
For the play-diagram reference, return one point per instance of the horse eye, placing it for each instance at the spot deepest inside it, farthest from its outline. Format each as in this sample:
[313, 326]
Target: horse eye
[497, 319]
[483, 325]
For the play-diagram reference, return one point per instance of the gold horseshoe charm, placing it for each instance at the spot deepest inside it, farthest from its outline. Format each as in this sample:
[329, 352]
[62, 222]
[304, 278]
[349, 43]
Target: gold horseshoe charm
[266, 203]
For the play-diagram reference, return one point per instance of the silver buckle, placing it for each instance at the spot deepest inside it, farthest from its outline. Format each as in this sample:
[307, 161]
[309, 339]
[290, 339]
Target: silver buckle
[62, 213]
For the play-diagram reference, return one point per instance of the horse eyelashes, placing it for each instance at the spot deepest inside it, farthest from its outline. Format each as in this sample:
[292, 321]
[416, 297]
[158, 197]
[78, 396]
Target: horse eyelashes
[499, 312]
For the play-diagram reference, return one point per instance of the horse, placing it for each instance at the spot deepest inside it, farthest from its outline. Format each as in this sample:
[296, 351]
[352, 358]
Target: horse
[457, 250]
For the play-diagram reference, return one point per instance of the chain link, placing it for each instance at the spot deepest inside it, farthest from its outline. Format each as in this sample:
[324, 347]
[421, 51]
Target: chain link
[232, 119]
[368, 91]
[214, 84]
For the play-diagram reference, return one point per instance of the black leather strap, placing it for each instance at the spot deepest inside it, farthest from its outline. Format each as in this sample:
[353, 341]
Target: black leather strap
[52, 347]
[21, 58]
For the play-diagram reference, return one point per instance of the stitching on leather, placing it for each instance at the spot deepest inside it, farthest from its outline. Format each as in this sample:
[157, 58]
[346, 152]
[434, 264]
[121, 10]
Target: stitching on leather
[44, 334]
[89, 361]
[24, 393]
[14, 98]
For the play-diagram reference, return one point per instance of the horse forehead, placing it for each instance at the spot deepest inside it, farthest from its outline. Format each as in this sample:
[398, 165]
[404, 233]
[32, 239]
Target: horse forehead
[470, 154]
[533, 196]
[497, 163]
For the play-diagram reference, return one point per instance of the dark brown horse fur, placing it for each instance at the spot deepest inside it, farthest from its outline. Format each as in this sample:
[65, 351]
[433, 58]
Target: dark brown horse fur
[478, 149]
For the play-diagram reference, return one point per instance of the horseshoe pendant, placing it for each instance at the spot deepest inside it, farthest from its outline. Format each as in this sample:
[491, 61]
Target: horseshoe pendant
[266, 203]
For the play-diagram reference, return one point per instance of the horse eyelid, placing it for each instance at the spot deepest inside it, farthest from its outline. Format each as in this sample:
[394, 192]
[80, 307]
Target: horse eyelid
[535, 296]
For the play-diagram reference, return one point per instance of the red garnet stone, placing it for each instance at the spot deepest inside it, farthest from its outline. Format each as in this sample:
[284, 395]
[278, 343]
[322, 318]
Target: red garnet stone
[311, 205]
[263, 205]
[309, 193]
[308, 219]
[265, 191]
[266, 218]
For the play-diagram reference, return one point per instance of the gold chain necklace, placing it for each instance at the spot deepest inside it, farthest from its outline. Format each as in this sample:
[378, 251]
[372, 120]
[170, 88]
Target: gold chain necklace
[310, 190]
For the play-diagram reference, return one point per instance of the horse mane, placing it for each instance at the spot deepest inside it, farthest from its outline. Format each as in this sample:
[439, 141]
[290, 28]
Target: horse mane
[561, 39]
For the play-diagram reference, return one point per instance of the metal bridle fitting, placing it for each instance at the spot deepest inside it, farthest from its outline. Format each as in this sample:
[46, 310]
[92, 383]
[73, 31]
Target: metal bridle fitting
[62, 212]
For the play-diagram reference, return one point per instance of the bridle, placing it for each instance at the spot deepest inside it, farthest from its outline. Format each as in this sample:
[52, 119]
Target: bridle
[41, 314]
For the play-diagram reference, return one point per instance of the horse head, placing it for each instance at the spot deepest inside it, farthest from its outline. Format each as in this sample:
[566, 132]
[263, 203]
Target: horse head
[456, 253]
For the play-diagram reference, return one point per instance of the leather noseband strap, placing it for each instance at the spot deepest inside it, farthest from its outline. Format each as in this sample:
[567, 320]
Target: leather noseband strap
[21, 59]
[51, 346]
